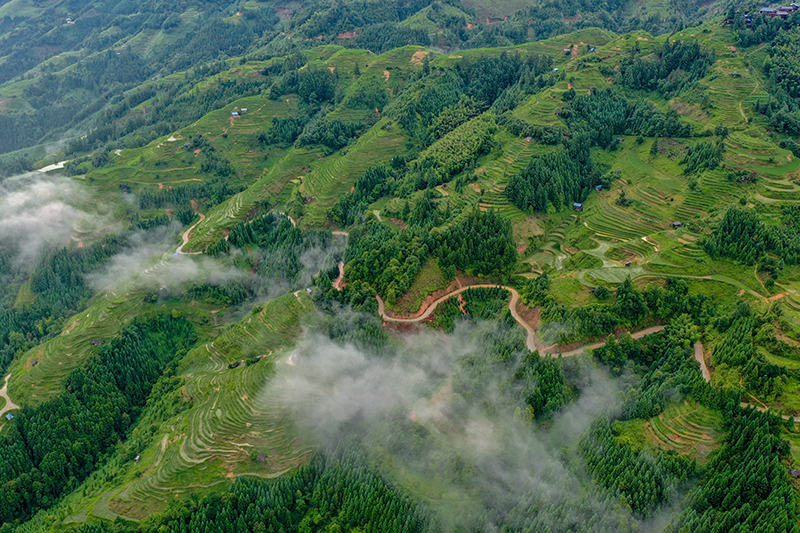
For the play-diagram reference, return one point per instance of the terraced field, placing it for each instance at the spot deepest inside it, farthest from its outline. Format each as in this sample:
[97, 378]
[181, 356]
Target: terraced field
[635, 251]
[270, 187]
[493, 178]
[39, 373]
[551, 252]
[336, 175]
[611, 222]
[539, 109]
[232, 426]
[688, 428]
[733, 91]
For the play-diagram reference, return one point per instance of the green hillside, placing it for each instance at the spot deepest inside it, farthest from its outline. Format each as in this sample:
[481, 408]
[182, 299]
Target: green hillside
[268, 288]
[78, 77]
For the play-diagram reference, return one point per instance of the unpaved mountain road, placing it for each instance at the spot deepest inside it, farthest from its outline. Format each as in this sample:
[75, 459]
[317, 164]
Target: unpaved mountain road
[530, 341]
[186, 235]
[9, 406]
[636, 335]
[512, 305]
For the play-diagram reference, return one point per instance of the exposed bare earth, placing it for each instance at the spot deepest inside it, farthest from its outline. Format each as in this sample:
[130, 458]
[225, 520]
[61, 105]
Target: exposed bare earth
[339, 283]
[531, 341]
[186, 235]
[9, 406]
[698, 354]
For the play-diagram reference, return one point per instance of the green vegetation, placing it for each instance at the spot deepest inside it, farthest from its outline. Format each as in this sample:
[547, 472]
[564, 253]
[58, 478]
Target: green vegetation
[51, 448]
[617, 182]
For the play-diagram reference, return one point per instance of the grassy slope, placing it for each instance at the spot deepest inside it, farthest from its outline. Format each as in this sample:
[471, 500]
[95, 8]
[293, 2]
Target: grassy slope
[198, 447]
[227, 424]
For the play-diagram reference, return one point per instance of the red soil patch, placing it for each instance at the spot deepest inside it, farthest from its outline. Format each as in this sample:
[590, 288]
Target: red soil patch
[462, 280]
[284, 14]
[417, 57]
[402, 327]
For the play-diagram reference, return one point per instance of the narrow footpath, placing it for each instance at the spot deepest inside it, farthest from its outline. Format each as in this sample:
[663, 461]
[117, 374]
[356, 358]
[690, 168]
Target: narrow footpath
[186, 235]
[512, 306]
[9, 406]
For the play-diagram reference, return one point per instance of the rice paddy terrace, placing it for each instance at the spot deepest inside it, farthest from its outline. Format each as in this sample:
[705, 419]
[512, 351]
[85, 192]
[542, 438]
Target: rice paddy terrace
[221, 421]
[226, 422]
[231, 418]
[687, 428]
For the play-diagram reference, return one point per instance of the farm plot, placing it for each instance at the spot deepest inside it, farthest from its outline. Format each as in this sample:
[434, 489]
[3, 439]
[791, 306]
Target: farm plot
[494, 177]
[733, 91]
[232, 427]
[610, 222]
[269, 187]
[635, 250]
[40, 373]
[334, 177]
[688, 428]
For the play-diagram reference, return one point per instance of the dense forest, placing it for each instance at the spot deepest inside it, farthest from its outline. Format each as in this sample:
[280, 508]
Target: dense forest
[456, 269]
[742, 236]
[52, 447]
[58, 288]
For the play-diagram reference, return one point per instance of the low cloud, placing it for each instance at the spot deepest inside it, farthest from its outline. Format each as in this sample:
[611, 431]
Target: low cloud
[148, 262]
[38, 211]
[445, 411]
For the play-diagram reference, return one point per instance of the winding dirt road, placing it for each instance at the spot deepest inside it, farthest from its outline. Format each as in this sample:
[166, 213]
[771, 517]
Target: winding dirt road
[9, 406]
[700, 357]
[186, 235]
[512, 306]
[795, 419]
[530, 342]
[635, 335]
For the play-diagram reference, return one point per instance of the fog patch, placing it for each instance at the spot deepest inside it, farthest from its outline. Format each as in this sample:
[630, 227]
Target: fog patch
[149, 263]
[416, 405]
[38, 211]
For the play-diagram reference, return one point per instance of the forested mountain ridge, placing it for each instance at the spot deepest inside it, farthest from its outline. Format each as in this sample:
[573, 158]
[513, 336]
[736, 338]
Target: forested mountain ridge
[287, 216]
[65, 67]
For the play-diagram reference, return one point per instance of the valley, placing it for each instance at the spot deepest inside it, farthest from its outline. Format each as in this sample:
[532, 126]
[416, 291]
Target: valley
[432, 275]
